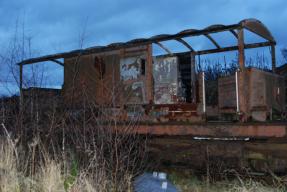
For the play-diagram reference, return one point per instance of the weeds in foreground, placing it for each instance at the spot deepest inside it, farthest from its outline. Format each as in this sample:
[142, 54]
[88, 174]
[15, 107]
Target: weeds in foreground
[49, 175]
[190, 183]
[33, 168]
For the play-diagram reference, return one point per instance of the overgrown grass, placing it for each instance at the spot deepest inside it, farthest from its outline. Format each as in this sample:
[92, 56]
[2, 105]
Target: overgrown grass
[190, 183]
[48, 175]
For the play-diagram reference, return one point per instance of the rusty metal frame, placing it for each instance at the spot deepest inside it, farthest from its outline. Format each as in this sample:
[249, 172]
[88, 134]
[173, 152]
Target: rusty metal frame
[58, 62]
[200, 129]
[252, 25]
[212, 41]
[234, 33]
[164, 48]
[185, 44]
[262, 130]
[227, 49]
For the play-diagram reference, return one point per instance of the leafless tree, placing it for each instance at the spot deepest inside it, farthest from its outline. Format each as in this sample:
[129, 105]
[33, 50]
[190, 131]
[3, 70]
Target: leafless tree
[107, 149]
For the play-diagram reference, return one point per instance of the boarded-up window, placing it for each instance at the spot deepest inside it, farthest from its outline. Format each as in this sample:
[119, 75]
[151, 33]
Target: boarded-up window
[100, 66]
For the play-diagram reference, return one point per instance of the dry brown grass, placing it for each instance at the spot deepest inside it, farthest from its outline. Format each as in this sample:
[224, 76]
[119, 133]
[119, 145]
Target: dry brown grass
[59, 149]
[49, 176]
[191, 183]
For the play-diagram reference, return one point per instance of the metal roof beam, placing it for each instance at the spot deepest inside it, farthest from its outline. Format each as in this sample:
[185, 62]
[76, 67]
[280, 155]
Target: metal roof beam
[251, 24]
[200, 32]
[258, 28]
[164, 48]
[234, 48]
[58, 62]
[130, 44]
[212, 41]
[226, 49]
[185, 44]
[234, 33]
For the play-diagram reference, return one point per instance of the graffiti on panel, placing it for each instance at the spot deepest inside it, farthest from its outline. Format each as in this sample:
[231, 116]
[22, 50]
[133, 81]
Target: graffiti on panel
[133, 79]
[165, 74]
[130, 68]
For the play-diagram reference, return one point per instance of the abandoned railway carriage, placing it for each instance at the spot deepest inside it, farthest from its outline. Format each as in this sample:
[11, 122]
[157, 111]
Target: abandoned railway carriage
[129, 81]
[167, 87]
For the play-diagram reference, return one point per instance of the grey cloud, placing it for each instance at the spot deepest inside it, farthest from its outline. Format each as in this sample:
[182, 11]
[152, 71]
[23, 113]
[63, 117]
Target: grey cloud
[56, 22]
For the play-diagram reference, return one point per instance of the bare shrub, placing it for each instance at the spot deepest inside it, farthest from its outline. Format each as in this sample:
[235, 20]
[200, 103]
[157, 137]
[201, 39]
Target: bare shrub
[74, 149]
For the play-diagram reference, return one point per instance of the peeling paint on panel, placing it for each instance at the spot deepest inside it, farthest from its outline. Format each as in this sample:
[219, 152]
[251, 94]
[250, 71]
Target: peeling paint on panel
[132, 75]
[166, 80]
[134, 93]
[130, 68]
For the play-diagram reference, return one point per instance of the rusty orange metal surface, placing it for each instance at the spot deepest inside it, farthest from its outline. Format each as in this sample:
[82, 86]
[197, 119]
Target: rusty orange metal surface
[263, 91]
[128, 77]
[216, 130]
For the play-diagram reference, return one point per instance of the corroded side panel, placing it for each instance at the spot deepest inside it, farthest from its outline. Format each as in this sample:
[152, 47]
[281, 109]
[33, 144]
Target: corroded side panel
[93, 78]
[264, 95]
[76, 74]
[283, 72]
[166, 76]
[262, 130]
[134, 64]
[132, 74]
[108, 86]
[267, 90]
[227, 93]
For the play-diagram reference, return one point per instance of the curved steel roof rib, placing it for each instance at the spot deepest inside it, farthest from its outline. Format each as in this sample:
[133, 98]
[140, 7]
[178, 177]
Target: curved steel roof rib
[159, 36]
[252, 25]
[185, 44]
[212, 40]
[164, 48]
[257, 27]
[234, 33]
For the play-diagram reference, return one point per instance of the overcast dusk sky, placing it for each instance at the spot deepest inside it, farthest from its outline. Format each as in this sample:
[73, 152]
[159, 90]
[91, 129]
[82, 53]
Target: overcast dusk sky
[55, 25]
